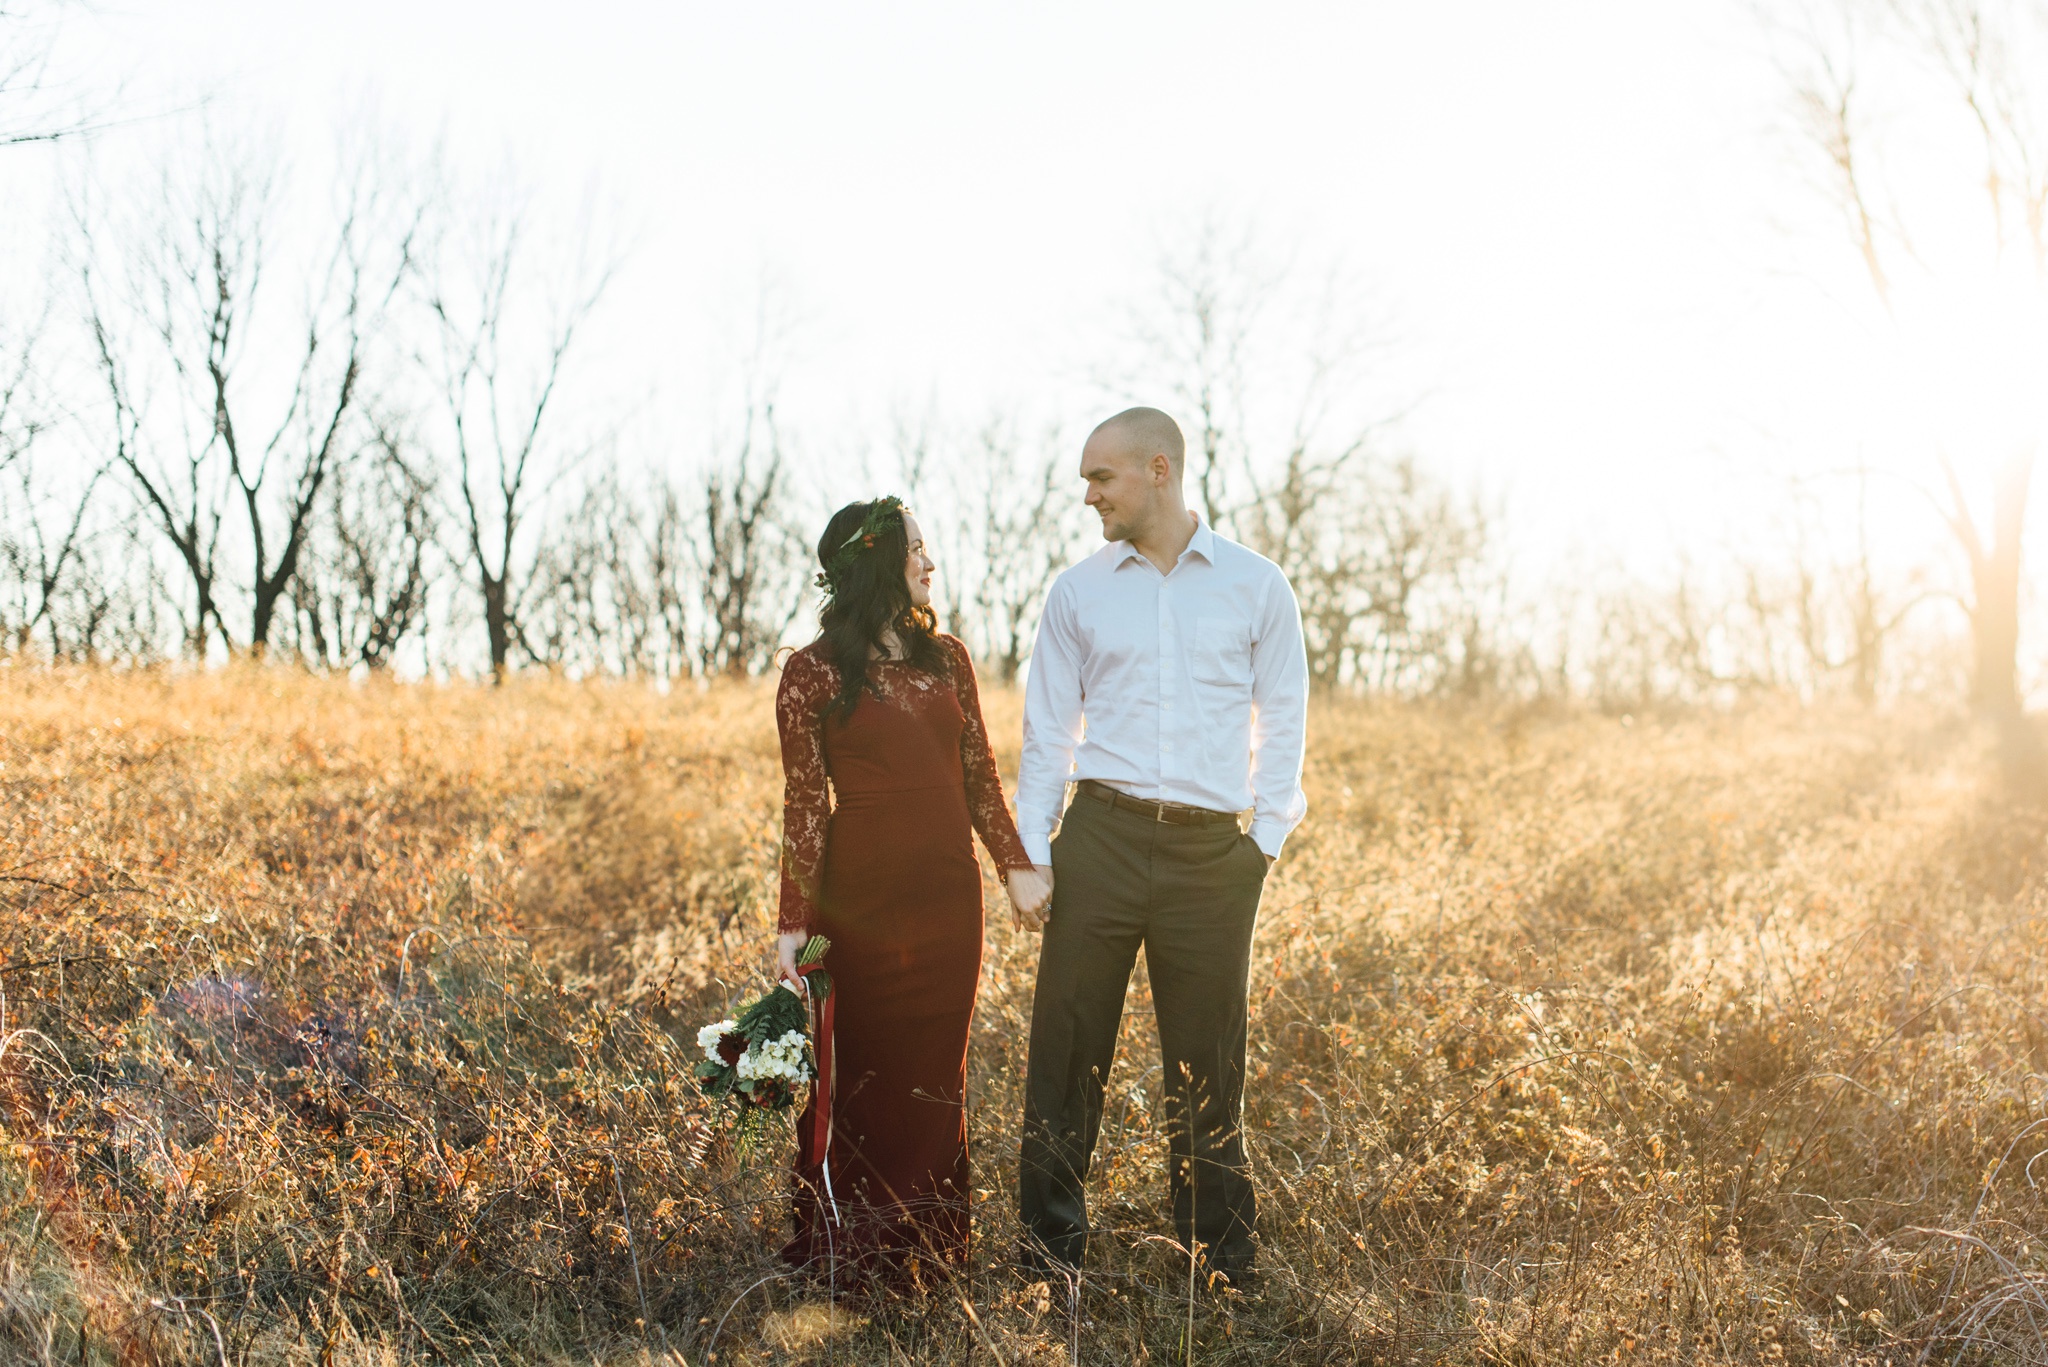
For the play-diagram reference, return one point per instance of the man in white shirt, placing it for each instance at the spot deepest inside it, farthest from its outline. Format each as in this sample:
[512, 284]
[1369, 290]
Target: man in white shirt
[1170, 686]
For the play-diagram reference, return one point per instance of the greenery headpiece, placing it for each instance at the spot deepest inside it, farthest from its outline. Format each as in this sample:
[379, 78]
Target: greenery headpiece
[886, 513]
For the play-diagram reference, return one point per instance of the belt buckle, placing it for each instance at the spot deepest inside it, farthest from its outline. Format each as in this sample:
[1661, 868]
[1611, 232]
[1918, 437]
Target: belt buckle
[1159, 813]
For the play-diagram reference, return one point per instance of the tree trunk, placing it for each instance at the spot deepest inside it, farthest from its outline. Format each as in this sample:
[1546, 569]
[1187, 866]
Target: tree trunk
[261, 617]
[497, 625]
[1995, 584]
[1869, 660]
[207, 609]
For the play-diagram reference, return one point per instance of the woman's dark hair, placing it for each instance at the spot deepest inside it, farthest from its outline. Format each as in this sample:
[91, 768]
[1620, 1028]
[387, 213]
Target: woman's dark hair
[866, 594]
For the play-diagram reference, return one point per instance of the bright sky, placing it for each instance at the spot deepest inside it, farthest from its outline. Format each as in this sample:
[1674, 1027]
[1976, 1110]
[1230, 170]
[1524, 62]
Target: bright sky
[1586, 216]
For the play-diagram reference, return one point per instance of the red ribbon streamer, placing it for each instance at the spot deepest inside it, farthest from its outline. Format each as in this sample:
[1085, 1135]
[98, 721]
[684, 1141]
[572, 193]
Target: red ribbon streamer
[821, 1090]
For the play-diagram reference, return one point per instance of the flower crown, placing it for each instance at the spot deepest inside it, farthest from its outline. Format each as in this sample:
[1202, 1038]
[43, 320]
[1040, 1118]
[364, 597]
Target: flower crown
[887, 512]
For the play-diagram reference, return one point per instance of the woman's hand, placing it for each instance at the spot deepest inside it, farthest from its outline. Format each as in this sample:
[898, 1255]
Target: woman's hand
[787, 947]
[1030, 896]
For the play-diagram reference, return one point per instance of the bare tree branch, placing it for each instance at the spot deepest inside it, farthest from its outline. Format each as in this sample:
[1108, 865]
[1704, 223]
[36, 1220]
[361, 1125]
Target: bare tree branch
[185, 350]
[1972, 43]
[1012, 528]
[500, 380]
[37, 104]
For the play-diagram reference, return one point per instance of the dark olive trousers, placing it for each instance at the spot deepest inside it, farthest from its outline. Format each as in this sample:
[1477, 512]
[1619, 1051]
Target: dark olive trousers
[1190, 896]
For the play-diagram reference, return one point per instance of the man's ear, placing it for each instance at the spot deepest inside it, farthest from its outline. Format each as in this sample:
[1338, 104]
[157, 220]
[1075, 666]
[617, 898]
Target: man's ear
[1161, 467]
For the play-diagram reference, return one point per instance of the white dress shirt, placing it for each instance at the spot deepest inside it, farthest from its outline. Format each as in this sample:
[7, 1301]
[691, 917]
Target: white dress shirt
[1187, 687]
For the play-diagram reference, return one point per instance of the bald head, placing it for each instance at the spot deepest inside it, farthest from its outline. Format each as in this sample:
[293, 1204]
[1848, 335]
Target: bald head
[1138, 434]
[1132, 465]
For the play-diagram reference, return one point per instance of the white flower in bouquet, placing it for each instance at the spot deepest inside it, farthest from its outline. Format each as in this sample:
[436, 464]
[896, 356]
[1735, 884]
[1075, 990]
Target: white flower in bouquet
[784, 1058]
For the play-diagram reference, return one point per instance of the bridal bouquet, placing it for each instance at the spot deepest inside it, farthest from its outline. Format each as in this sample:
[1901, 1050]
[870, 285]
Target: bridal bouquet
[759, 1059]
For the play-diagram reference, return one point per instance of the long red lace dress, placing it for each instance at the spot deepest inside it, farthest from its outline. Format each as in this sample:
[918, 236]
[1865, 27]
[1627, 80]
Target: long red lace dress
[884, 865]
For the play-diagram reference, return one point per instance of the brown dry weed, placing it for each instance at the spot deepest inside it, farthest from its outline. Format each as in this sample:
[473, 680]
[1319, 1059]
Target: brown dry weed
[352, 1023]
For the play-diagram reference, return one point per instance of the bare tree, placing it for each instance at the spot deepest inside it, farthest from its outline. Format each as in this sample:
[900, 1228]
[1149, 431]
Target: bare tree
[1994, 559]
[647, 576]
[1830, 112]
[1981, 50]
[22, 419]
[1801, 607]
[1846, 610]
[204, 422]
[562, 620]
[361, 587]
[1196, 331]
[1302, 524]
[1005, 524]
[663, 593]
[42, 543]
[33, 554]
[112, 606]
[749, 559]
[1685, 641]
[1301, 517]
[614, 589]
[71, 570]
[78, 585]
[1981, 45]
[181, 494]
[1385, 562]
[36, 104]
[1277, 374]
[52, 520]
[509, 314]
[1418, 545]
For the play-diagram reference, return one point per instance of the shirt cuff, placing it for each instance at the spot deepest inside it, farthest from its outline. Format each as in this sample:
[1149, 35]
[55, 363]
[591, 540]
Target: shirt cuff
[1039, 847]
[1269, 836]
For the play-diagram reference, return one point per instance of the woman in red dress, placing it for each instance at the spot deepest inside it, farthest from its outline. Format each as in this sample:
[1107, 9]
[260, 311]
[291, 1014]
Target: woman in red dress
[887, 769]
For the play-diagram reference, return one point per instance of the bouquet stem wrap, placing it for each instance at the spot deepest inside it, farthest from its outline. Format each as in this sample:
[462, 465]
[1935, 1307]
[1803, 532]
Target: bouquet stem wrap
[821, 1090]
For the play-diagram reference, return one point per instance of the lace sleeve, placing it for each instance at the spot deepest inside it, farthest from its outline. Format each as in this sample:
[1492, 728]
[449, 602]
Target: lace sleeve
[991, 815]
[807, 686]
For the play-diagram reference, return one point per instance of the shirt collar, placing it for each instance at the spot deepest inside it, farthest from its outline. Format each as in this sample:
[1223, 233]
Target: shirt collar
[1202, 543]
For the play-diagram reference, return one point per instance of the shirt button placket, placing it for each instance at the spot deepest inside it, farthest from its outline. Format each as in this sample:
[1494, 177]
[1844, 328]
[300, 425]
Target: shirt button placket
[1169, 674]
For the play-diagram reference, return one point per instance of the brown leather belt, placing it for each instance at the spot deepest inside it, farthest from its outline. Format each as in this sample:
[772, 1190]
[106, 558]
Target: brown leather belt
[1172, 813]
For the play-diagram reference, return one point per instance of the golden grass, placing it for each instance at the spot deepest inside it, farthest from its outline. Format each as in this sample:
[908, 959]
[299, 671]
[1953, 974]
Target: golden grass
[352, 1023]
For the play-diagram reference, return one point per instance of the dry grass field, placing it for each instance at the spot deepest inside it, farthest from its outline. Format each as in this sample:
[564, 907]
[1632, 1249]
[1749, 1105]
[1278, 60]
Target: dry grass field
[353, 1024]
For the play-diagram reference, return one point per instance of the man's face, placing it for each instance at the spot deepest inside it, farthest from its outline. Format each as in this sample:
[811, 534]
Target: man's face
[1122, 486]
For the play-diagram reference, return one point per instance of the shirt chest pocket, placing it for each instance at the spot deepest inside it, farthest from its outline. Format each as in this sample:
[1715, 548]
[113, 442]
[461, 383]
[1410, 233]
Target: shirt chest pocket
[1222, 653]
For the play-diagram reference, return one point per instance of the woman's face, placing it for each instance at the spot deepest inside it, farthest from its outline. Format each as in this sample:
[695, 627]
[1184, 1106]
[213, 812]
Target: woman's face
[917, 569]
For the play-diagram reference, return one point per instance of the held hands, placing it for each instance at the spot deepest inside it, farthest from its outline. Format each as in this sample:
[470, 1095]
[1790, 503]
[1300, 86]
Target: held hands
[1030, 892]
[1030, 896]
